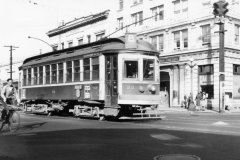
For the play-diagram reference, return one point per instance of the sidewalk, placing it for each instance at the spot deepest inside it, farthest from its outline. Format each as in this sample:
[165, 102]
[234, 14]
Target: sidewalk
[207, 111]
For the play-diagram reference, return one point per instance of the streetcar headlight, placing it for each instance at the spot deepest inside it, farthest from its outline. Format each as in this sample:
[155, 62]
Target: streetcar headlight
[141, 89]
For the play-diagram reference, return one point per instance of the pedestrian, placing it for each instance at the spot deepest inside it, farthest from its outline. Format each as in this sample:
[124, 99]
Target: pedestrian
[198, 100]
[9, 96]
[191, 105]
[203, 101]
[185, 102]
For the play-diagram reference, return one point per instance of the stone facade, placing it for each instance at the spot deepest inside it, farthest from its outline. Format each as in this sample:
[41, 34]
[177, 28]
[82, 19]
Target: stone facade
[184, 30]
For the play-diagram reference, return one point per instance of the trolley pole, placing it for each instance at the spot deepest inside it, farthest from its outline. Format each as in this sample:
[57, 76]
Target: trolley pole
[11, 59]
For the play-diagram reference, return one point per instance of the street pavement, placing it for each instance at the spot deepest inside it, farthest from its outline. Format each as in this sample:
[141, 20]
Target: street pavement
[209, 136]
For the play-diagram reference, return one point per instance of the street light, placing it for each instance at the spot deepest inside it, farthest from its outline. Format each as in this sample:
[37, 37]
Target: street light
[191, 65]
[42, 41]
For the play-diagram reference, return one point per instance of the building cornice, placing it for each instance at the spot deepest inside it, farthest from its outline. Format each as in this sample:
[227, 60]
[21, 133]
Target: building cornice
[80, 22]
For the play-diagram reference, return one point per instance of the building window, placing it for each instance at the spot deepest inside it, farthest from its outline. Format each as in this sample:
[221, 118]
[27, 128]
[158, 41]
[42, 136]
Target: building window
[100, 36]
[80, 41]
[35, 75]
[60, 72]
[137, 18]
[55, 47]
[236, 69]
[76, 70]
[120, 4]
[209, 90]
[70, 44]
[158, 42]
[181, 39]
[180, 6]
[47, 73]
[158, 13]
[95, 68]
[24, 77]
[120, 23]
[40, 81]
[130, 69]
[69, 71]
[86, 69]
[29, 76]
[236, 39]
[205, 69]
[89, 38]
[148, 69]
[206, 34]
[185, 38]
[62, 44]
[54, 73]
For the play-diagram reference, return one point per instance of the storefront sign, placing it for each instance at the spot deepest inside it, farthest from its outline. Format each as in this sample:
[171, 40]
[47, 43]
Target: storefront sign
[87, 94]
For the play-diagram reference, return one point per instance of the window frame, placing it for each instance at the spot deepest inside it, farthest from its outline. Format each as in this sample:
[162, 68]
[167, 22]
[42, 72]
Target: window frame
[154, 67]
[137, 18]
[236, 33]
[69, 72]
[202, 67]
[125, 69]
[156, 13]
[40, 78]
[47, 74]
[86, 71]
[76, 70]
[206, 34]
[53, 73]
[95, 63]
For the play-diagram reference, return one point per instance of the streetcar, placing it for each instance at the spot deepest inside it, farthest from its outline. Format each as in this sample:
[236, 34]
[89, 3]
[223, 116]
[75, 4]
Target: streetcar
[115, 77]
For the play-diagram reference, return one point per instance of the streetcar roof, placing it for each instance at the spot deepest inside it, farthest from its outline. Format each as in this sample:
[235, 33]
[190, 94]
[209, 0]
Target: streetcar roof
[110, 45]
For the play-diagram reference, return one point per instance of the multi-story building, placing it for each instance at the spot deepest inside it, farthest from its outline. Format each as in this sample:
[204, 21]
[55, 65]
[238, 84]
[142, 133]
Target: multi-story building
[80, 31]
[186, 36]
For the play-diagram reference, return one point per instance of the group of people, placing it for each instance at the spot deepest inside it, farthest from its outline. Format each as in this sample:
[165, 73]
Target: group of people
[8, 97]
[199, 104]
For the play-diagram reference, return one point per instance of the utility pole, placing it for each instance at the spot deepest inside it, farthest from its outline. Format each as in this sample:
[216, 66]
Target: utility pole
[219, 11]
[11, 59]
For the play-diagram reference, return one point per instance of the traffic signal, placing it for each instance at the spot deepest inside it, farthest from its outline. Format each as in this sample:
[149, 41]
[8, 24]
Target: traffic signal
[220, 8]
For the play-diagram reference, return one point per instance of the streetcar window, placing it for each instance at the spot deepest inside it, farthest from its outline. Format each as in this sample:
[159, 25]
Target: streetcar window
[76, 70]
[24, 77]
[40, 75]
[86, 68]
[69, 71]
[47, 74]
[29, 76]
[60, 72]
[148, 69]
[131, 69]
[95, 68]
[54, 73]
[35, 75]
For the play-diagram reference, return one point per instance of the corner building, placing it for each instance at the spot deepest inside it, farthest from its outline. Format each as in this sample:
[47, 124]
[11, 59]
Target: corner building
[186, 35]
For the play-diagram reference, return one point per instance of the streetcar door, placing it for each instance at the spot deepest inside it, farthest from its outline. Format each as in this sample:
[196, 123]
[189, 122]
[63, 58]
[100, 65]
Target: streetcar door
[111, 85]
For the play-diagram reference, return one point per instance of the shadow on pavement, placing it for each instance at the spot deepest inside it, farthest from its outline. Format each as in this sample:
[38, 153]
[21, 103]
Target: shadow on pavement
[118, 144]
[32, 126]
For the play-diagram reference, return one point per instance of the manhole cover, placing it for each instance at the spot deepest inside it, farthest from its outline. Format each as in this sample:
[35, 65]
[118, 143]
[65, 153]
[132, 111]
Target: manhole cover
[176, 157]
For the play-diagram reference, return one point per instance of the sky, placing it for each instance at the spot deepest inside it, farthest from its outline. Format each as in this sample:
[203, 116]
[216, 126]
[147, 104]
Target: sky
[23, 18]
